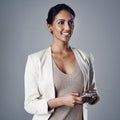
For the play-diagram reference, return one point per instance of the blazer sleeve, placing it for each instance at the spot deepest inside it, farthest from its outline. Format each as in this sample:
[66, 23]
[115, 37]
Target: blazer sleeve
[34, 103]
[92, 82]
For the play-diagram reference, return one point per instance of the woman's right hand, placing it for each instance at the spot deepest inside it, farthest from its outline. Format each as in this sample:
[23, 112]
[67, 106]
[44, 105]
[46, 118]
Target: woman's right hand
[71, 99]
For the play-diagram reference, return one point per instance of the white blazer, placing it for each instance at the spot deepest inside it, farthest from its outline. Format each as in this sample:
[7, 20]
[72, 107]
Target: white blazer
[39, 86]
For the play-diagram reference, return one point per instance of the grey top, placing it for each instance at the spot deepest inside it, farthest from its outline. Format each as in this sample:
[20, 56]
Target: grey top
[66, 83]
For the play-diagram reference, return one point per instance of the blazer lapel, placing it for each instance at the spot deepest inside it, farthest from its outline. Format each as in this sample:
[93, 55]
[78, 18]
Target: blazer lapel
[80, 57]
[48, 74]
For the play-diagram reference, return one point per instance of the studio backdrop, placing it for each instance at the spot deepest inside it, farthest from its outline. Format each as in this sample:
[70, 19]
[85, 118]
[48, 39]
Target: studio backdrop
[23, 31]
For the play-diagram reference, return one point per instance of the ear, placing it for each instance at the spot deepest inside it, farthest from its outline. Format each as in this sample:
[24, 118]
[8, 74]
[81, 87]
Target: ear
[50, 28]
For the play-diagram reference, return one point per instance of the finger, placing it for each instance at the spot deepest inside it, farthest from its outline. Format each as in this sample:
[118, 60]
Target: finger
[79, 100]
[87, 91]
[93, 97]
[75, 94]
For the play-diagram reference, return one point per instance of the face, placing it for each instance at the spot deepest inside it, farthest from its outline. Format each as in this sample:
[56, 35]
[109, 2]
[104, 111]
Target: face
[62, 26]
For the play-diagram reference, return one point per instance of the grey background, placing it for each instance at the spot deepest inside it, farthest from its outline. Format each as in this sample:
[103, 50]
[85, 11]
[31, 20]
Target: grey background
[23, 31]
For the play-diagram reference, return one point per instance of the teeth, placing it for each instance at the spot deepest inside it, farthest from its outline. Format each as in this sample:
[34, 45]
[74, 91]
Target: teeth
[66, 33]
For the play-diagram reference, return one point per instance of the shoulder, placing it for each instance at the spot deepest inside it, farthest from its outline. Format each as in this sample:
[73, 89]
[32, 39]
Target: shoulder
[38, 56]
[87, 56]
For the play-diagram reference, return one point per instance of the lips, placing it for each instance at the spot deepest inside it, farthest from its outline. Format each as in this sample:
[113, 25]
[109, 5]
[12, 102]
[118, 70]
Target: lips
[66, 33]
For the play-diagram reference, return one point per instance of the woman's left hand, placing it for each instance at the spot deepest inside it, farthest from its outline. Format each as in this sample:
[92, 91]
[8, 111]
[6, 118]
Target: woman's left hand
[92, 99]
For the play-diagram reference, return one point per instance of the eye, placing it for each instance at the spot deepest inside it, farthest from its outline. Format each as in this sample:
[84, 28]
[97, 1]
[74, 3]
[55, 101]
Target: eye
[61, 22]
[71, 22]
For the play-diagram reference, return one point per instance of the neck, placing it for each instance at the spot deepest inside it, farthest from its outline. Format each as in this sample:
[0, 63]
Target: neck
[60, 47]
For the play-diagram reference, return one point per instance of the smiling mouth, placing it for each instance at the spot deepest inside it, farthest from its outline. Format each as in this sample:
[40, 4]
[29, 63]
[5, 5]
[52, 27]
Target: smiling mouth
[66, 33]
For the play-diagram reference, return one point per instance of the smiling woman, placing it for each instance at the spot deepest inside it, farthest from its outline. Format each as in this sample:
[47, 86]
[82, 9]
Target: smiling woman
[62, 26]
[57, 78]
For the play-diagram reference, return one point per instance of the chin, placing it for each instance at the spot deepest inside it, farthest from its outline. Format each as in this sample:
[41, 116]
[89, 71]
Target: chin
[66, 39]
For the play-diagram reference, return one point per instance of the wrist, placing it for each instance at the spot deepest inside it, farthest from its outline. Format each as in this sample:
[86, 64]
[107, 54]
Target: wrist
[56, 102]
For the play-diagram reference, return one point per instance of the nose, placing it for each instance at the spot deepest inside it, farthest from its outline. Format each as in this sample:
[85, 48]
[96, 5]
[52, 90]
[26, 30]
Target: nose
[67, 27]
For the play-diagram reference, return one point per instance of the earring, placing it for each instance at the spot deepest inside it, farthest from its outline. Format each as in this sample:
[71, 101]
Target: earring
[51, 31]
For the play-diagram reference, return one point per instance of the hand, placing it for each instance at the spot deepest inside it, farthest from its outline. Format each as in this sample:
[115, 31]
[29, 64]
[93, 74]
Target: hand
[71, 99]
[91, 99]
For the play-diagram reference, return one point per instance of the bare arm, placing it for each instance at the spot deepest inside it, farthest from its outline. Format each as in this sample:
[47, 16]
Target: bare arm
[69, 99]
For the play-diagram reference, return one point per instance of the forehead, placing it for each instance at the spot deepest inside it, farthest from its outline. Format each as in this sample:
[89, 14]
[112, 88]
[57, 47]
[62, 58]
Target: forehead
[64, 14]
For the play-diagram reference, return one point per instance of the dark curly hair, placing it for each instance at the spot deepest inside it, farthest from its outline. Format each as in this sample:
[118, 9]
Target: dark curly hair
[56, 9]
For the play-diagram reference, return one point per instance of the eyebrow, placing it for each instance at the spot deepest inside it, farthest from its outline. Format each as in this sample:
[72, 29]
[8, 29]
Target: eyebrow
[64, 19]
[60, 19]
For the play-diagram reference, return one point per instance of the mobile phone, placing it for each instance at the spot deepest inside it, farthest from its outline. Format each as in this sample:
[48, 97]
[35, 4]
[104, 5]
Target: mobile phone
[87, 96]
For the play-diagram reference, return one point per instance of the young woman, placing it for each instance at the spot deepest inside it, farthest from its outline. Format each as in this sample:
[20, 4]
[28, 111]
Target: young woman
[57, 77]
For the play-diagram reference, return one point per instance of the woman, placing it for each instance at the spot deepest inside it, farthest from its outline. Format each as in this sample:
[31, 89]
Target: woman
[57, 77]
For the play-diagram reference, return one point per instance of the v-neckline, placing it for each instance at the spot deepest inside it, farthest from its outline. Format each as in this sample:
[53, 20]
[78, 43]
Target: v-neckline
[63, 73]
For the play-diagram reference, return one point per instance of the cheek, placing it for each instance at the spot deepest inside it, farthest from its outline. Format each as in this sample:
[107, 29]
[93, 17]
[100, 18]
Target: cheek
[57, 29]
[72, 27]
